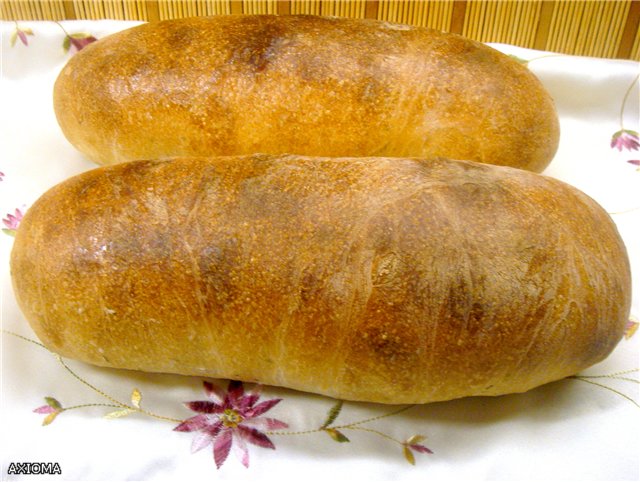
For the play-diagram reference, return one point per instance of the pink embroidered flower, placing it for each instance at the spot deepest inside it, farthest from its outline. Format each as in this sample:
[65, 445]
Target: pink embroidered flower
[630, 328]
[51, 409]
[20, 33]
[625, 139]
[78, 41]
[635, 162]
[12, 221]
[413, 444]
[227, 417]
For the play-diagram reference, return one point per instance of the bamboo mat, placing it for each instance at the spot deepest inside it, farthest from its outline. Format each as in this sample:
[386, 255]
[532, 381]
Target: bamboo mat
[608, 28]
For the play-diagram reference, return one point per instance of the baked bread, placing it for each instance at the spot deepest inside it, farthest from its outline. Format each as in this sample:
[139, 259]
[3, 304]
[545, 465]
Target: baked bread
[239, 85]
[374, 279]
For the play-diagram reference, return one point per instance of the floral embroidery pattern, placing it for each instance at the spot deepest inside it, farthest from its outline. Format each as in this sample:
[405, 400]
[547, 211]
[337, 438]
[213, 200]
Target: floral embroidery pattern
[234, 415]
[76, 41]
[626, 139]
[12, 221]
[622, 139]
[51, 409]
[413, 444]
[20, 33]
[335, 432]
[229, 419]
[631, 328]
[230, 416]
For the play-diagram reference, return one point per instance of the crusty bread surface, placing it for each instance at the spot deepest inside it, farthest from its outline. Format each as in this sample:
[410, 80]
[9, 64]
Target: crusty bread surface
[307, 85]
[379, 279]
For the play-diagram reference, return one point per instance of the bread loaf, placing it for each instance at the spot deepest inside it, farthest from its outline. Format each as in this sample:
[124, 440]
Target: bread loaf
[238, 85]
[383, 280]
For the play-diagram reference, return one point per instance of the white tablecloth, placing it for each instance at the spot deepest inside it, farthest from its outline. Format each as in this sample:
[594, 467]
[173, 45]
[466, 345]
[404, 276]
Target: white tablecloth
[569, 430]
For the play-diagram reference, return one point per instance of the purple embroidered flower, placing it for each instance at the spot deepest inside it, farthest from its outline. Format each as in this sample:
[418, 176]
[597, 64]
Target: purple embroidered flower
[78, 41]
[21, 33]
[12, 221]
[1, 175]
[227, 417]
[625, 139]
[51, 409]
[413, 444]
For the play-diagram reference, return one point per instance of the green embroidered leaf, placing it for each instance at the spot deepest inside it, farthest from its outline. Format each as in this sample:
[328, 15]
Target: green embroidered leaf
[333, 414]
[66, 44]
[336, 435]
[136, 397]
[49, 418]
[10, 232]
[119, 413]
[408, 455]
[13, 38]
[415, 439]
[53, 403]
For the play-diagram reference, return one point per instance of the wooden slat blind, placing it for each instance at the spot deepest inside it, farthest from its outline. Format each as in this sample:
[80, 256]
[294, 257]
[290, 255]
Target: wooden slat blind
[605, 28]
[433, 14]
[511, 22]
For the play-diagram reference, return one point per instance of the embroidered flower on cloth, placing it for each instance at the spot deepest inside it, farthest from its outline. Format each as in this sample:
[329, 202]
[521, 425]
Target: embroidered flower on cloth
[230, 418]
[20, 33]
[625, 139]
[630, 328]
[51, 410]
[12, 221]
[77, 40]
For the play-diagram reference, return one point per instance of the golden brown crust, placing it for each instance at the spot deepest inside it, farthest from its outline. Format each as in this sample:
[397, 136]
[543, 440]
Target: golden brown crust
[386, 280]
[236, 85]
